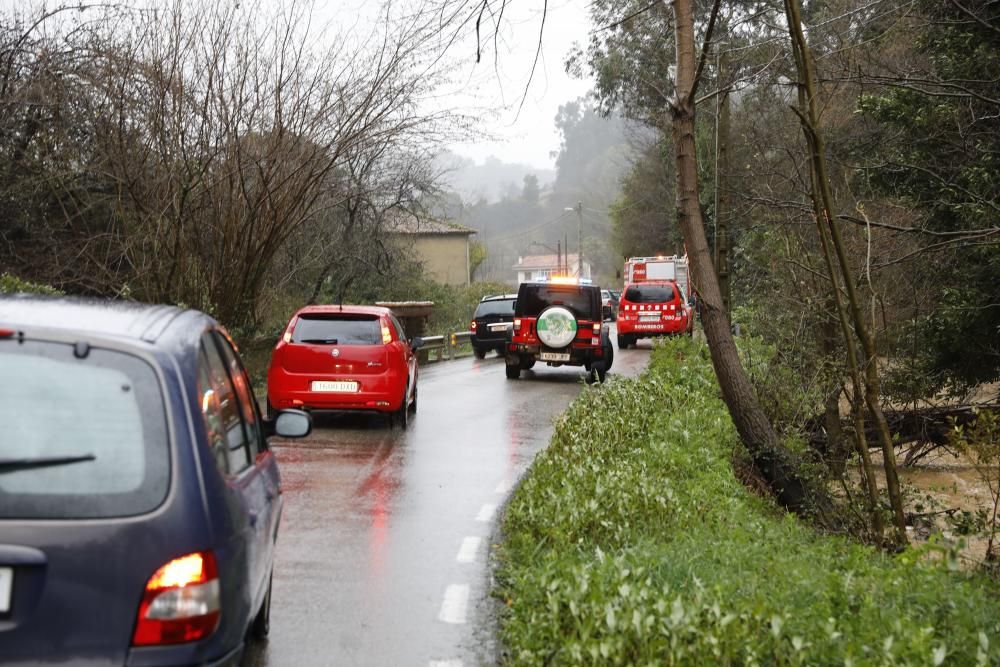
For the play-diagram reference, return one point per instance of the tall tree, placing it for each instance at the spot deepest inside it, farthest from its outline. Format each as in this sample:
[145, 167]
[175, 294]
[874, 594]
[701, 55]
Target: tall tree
[776, 464]
[839, 269]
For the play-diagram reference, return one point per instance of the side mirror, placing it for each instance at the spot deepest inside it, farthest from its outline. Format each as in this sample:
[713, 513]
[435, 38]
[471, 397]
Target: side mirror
[416, 343]
[293, 424]
[606, 312]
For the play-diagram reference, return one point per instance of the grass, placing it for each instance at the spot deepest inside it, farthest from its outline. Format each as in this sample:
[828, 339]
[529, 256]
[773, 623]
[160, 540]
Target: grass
[631, 542]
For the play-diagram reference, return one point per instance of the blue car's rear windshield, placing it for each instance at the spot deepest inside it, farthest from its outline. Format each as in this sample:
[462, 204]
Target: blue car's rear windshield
[82, 435]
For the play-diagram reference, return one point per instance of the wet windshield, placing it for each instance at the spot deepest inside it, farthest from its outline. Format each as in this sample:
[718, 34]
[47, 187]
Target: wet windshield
[337, 330]
[83, 437]
[497, 307]
[583, 302]
[650, 293]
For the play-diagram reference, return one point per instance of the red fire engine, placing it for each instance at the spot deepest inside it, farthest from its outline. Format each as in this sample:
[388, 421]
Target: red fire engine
[656, 299]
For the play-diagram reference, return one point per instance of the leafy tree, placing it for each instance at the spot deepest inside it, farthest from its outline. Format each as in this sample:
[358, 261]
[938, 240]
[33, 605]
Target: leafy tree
[531, 190]
[935, 127]
[640, 216]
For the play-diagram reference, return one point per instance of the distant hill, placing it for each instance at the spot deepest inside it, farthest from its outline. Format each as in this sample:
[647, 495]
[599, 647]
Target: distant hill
[491, 180]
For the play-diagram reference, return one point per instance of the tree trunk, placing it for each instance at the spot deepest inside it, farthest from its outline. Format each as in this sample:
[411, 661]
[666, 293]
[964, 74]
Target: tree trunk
[835, 452]
[722, 198]
[773, 461]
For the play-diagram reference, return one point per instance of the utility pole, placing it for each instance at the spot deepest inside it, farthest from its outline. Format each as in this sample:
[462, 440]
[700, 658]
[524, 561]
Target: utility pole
[565, 270]
[579, 257]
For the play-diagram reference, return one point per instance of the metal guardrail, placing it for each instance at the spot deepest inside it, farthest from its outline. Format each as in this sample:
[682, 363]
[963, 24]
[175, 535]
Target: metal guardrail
[448, 346]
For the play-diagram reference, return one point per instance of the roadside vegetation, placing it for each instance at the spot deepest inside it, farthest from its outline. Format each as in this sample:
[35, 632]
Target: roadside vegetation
[13, 285]
[632, 541]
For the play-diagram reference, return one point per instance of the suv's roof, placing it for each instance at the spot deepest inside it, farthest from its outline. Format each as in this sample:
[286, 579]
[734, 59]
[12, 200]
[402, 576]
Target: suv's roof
[124, 319]
[346, 309]
[559, 283]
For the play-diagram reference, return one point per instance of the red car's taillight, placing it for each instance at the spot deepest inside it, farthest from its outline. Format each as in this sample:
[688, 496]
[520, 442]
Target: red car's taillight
[180, 603]
[517, 324]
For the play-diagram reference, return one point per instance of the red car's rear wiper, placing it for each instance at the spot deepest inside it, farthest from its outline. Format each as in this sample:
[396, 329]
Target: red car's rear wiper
[16, 465]
[319, 341]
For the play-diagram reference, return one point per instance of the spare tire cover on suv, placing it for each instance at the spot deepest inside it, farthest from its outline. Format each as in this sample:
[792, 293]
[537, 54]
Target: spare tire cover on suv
[556, 327]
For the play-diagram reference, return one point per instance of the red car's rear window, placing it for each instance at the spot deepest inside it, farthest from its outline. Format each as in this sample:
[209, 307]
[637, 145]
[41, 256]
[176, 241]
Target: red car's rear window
[650, 293]
[337, 329]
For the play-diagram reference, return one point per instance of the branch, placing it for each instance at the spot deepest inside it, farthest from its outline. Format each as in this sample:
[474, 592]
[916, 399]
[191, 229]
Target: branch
[629, 17]
[953, 236]
[974, 17]
[704, 50]
[534, 63]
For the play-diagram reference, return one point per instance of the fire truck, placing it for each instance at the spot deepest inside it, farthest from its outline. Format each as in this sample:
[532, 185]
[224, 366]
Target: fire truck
[671, 267]
[656, 299]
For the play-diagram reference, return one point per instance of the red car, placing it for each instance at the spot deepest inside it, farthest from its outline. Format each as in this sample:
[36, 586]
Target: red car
[655, 308]
[344, 358]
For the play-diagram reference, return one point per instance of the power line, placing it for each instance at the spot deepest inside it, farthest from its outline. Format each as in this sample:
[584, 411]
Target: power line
[529, 230]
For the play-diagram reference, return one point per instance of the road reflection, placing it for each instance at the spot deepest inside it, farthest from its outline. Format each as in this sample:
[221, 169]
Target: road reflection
[374, 517]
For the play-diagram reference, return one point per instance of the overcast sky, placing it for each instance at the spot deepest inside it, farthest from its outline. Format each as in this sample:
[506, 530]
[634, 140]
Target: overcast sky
[517, 107]
[529, 135]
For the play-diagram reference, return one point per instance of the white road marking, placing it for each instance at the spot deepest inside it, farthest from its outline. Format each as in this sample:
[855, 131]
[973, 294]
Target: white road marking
[467, 552]
[486, 512]
[502, 487]
[456, 603]
[446, 663]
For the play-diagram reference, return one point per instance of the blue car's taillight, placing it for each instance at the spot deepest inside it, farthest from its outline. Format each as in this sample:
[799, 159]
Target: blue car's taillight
[180, 603]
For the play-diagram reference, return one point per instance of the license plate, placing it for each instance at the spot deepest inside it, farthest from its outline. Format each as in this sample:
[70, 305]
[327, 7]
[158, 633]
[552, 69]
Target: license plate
[6, 583]
[554, 356]
[651, 317]
[499, 327]
[342, 386]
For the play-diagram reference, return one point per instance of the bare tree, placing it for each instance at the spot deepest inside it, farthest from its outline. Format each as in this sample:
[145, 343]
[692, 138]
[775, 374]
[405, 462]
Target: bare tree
[838, 267]
[212, 134]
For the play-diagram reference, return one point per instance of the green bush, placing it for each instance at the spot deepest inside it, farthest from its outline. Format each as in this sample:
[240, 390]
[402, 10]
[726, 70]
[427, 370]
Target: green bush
[631, 542]
[12, 285]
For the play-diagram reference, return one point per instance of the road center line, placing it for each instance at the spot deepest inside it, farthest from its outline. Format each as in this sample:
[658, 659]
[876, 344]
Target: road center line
[486, 512]
[456, 603]
[467, 552]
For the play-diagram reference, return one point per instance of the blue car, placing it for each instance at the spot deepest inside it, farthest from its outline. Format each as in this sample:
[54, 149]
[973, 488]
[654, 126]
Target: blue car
[139, 501]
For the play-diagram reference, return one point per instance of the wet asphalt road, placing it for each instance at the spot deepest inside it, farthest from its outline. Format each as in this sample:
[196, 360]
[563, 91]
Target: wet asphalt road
[383, 552]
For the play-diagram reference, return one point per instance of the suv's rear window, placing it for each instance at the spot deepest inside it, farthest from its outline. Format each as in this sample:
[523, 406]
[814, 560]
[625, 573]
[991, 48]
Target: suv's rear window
[104, 408]
[650, 293]
[583, 302]
[337, 329]
[495, 307]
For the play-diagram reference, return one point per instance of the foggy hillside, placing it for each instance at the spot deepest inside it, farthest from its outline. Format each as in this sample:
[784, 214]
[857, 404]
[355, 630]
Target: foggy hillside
[525, 211]
[491, 180]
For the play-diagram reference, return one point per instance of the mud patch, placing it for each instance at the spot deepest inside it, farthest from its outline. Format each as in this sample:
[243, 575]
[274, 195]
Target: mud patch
[945, 499]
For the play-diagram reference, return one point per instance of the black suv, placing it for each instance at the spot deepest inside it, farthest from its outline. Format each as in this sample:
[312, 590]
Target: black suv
[561, 324]
[491, 323]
